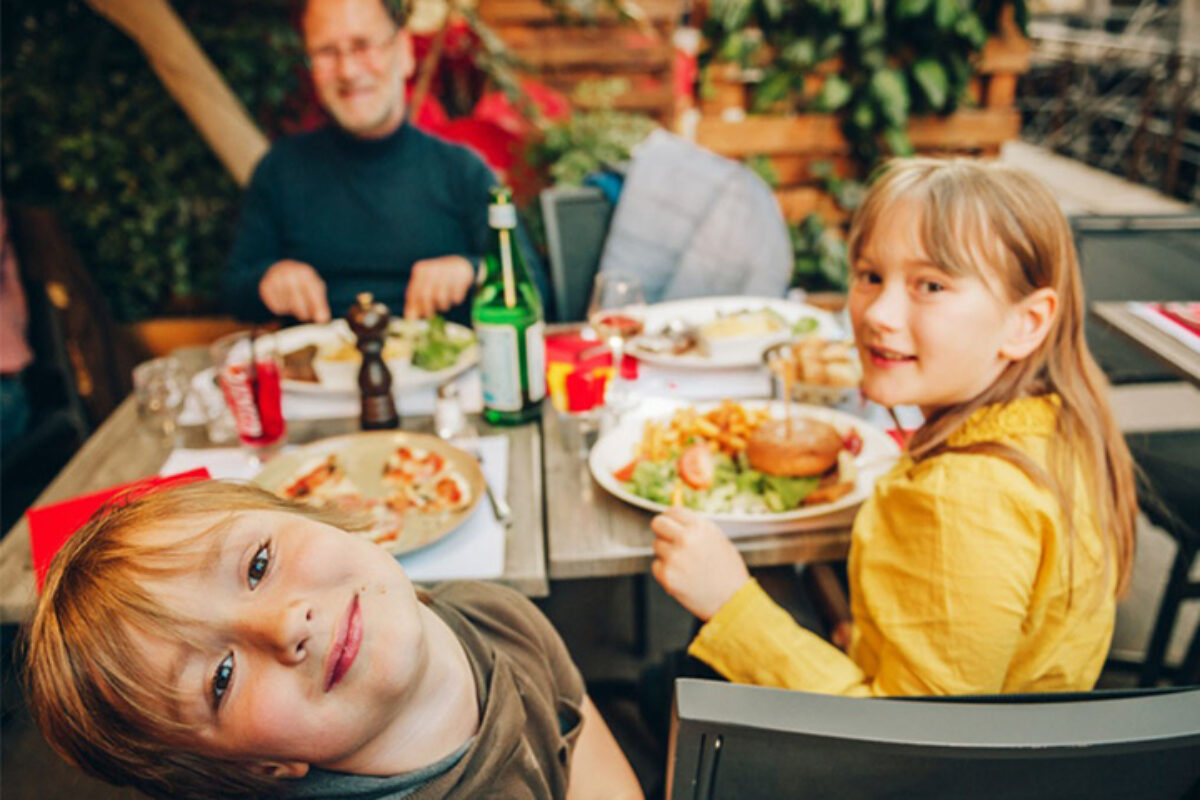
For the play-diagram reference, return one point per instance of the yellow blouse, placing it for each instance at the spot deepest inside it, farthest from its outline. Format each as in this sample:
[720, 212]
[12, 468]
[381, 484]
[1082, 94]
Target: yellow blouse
[960, 583]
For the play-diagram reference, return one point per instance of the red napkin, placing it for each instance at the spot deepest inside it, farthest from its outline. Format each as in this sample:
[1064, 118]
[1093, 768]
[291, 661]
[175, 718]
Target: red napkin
[51, 525]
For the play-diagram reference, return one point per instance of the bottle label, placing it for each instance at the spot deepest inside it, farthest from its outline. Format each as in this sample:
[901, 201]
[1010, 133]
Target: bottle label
[535, 360]
[500, 366]
[502, 217]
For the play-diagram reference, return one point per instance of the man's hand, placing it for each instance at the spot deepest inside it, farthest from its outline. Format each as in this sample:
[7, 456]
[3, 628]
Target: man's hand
[437, 285]
[294, 288]
[695, 562]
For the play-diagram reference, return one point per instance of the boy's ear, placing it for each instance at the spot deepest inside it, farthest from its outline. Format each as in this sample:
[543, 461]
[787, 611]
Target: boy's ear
[279, 769]
[1029, 324]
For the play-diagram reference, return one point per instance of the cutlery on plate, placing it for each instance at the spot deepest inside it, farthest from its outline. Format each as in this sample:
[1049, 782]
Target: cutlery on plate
[452, 425]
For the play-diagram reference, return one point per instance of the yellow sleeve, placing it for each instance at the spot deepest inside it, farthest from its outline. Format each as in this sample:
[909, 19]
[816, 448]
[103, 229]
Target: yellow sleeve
[753, 640]
[947, 573]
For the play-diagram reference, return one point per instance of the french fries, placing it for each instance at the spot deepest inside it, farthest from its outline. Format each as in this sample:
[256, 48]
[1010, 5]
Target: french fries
[725, 429]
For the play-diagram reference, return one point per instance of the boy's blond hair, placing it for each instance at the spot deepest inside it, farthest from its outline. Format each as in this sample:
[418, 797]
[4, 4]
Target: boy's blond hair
[1003, 226]
[93, 698]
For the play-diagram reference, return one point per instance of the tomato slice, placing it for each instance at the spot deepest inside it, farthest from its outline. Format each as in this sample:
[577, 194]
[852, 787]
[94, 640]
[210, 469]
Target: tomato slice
[696, 466]
[625, 473]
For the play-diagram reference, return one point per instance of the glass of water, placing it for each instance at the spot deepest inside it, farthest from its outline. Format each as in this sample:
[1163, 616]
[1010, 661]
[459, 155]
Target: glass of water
[160, 386]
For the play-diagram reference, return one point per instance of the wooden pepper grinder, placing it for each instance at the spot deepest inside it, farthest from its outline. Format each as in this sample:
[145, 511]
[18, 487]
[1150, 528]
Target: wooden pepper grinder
[369, 321]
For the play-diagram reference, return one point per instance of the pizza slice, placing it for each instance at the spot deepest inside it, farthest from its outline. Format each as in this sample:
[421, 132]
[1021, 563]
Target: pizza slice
[316, 482]
[412, 465]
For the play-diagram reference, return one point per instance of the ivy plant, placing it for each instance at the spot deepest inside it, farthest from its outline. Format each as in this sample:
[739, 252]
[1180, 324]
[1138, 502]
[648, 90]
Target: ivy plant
[876, 64]
[89, 129]
[893, 59]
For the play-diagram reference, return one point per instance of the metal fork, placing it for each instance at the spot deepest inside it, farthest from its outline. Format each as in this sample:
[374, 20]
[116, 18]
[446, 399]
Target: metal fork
[455, 428]
[500, 507]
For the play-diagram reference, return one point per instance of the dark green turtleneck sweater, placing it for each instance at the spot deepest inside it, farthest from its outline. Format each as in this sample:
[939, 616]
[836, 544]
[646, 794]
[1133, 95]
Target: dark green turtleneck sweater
[362, 212]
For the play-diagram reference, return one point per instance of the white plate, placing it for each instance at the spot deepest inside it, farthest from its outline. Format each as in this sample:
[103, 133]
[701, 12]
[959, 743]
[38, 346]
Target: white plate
[700, 310]
[342, 377]
[617, 447]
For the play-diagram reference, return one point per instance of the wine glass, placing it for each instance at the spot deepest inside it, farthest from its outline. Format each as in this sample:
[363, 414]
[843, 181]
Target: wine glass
[615, 314]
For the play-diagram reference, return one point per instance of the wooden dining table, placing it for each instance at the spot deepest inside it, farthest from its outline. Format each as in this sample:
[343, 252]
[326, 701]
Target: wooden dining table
[565, 525]
[1167, 349]
[122, 450]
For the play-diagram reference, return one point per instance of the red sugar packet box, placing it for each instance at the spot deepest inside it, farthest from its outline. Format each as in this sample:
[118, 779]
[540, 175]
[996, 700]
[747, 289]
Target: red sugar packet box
[51, 525]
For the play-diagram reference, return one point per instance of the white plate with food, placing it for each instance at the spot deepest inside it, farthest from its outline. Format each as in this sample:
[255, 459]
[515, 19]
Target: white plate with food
[740, 464]
[724, 332]
[415, 488]
[323, 359]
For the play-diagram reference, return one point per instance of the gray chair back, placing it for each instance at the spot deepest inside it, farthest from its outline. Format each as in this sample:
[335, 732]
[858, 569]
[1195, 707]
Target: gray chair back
[576, 220]
[729, 741]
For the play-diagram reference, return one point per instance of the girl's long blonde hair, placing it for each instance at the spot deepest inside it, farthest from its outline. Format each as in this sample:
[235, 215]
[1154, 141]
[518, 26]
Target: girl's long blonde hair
[1003, 226]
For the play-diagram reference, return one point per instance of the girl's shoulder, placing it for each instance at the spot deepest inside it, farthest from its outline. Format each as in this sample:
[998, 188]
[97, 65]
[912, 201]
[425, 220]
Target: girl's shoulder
[1022, 418]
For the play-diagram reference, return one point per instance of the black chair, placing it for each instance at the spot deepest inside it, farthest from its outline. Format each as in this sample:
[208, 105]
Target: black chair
[576, 220]
[1171, 500]
[729, 742]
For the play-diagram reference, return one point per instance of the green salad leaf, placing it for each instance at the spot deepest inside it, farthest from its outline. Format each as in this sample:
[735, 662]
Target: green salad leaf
[435, 348]
[784, 494]
[654, 480]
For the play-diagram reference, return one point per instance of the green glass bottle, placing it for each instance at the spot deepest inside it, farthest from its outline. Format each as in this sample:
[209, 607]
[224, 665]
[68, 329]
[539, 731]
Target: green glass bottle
[508, 321]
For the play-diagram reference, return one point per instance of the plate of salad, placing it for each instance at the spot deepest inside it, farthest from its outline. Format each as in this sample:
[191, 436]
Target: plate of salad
[324, 359]
[669, 453]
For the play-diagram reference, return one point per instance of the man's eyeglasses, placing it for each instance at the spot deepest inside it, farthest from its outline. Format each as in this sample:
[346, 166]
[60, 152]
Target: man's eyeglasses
[326, 59]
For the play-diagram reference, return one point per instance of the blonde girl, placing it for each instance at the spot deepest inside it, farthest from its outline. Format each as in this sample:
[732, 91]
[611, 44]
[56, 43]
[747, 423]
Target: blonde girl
[991, 557]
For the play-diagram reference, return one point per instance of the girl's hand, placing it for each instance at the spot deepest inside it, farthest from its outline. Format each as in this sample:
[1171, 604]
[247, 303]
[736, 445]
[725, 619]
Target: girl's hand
[695, 562]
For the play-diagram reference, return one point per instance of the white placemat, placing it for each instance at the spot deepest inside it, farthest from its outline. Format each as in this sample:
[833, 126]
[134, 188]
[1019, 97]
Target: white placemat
[474, 550]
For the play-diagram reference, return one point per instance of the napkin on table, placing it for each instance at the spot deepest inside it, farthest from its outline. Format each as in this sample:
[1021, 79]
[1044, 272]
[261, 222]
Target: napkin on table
[51, 525]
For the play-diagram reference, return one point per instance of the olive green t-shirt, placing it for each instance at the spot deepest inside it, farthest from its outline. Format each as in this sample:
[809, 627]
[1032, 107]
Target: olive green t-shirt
[530, 696]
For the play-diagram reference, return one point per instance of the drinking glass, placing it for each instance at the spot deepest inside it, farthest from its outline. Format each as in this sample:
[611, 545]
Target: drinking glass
[160, 387]
[615, 314]
[248, 371]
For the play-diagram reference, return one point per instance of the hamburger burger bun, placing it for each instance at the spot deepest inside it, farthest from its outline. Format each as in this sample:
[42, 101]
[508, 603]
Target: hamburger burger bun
[810, 448]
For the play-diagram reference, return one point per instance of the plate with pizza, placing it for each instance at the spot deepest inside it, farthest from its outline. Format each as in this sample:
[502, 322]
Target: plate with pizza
[414, 488]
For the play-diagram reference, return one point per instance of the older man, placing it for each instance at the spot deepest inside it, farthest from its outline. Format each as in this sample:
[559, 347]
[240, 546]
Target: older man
[368, 203]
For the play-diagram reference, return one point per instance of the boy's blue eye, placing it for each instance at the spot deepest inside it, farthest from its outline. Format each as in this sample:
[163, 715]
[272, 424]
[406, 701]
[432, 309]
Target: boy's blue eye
[258, 566]
[221, 679]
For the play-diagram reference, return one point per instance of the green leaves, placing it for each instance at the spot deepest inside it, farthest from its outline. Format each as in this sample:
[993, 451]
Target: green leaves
[946, 13]
[834, 94]
[772, 90]
[820, 257]
[930, 76]
[853, 12]
[891, 95]
[911, 8]
[731, 14]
